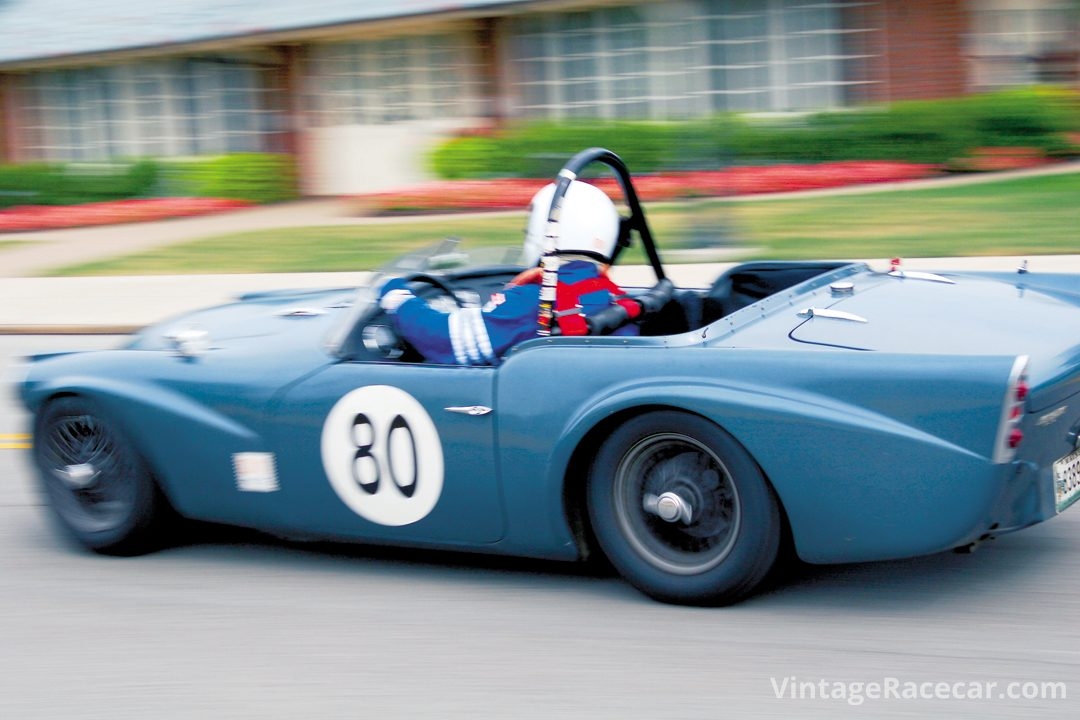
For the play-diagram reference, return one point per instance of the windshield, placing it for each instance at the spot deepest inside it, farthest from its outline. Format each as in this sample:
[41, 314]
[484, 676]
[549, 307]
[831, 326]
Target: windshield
[447, 255]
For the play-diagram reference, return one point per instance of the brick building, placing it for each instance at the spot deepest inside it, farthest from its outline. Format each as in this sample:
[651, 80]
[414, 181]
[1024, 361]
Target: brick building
[359, 90]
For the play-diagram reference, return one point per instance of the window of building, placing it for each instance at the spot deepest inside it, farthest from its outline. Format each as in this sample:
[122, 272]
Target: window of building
[1020, 42]
[161, 108]
[680, 59]
[584, 64]
[394, 79]
[739, 56]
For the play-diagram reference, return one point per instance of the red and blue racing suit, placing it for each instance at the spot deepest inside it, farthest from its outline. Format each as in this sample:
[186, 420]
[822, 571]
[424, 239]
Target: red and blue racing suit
[480, 336]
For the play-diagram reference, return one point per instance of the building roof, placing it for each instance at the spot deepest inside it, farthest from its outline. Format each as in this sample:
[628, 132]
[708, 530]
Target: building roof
[41, 30]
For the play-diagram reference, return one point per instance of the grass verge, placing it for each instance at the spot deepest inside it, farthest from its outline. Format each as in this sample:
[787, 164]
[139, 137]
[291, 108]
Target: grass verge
[1034, 216]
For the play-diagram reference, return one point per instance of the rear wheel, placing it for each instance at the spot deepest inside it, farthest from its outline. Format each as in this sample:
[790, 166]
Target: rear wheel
[682, 511]
[98, 486]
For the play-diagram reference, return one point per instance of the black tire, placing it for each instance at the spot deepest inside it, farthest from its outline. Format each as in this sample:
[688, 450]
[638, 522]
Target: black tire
[98, 486]
[682, 511]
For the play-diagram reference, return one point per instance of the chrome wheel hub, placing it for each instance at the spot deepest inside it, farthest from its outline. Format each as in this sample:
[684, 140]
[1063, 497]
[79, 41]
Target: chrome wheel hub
[78, 477]
[669, 507]
[676, 503]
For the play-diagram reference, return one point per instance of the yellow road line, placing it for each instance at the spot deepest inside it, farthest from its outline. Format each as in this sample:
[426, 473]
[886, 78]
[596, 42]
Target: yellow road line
[15, 441]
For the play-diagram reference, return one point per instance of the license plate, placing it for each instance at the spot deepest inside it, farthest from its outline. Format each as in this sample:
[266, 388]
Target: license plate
[1067, 480]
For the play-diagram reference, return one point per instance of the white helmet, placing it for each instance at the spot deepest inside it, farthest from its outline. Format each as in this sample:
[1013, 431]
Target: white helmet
[588, 223]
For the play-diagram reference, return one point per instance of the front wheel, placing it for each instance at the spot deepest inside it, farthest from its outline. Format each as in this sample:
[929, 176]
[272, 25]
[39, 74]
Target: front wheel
[98, 486]
[682, 511]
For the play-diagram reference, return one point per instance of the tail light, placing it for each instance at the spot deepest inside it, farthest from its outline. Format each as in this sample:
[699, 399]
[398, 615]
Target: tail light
[1009, 434]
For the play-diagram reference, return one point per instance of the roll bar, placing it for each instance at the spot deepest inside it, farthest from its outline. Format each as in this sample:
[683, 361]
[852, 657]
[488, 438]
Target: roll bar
[549, 262]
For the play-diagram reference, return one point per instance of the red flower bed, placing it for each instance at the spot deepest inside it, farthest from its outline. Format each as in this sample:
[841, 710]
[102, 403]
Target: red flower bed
[46, 217]
[515, 193]
[994, 159]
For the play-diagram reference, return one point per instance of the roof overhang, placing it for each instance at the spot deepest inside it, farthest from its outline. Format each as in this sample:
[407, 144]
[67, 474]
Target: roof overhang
[44, 34]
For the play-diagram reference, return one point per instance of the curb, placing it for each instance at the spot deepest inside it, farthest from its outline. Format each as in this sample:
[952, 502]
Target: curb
[27, 330]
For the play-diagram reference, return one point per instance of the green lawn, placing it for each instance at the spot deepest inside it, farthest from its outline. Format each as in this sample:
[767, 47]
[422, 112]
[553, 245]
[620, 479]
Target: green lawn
[1018, 217]
[306, 249]
[1015, 217]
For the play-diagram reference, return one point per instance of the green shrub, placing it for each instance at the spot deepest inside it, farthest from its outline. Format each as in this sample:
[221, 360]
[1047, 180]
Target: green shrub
[1032, 117]
[74, 183]
[928, 131]
[255, 177]
[452, 159]
[539, 149]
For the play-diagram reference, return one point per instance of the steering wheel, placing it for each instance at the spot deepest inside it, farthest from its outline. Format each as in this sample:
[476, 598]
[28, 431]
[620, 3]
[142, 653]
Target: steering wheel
[436, 282]
[382, 338]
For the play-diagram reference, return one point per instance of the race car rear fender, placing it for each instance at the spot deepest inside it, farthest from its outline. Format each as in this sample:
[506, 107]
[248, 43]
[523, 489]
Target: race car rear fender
[855, 483]
[876, 505]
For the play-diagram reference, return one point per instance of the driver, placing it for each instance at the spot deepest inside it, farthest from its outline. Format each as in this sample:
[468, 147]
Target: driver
[479, 336]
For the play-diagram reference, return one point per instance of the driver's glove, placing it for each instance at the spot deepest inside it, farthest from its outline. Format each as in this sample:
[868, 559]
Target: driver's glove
[394, 293]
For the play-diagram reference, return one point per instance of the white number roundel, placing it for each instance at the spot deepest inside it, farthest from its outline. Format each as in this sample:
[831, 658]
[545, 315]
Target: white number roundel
[383, 455]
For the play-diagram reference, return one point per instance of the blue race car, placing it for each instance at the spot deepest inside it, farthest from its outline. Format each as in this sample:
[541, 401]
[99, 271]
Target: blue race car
[845, 413]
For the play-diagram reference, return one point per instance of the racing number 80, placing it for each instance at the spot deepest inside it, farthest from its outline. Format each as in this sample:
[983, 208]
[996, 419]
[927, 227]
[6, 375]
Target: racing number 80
[382, 455]
[366, 465]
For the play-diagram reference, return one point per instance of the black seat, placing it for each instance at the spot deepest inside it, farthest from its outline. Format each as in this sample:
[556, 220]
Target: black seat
[745, 284]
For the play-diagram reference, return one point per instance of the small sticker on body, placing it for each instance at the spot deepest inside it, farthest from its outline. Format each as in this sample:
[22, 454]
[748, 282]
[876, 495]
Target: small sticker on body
[255, 472]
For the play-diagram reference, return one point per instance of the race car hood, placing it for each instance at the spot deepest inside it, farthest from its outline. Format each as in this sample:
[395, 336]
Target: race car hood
[240, 352]
[957, 314]
[257, 315]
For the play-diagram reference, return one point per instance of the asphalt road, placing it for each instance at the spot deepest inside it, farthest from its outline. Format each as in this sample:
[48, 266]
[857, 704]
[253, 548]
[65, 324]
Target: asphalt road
[240, 626]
